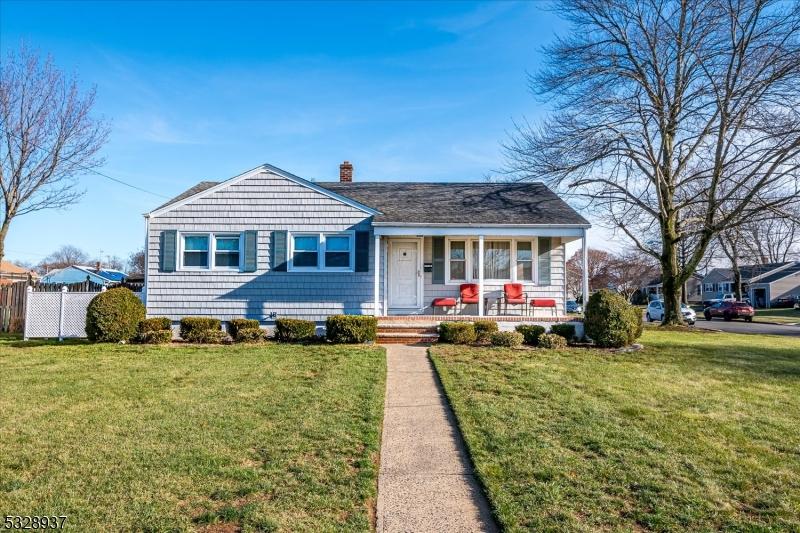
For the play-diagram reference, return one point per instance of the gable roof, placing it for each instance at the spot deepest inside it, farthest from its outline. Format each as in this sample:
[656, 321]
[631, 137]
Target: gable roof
[753, 273]
[780, 274]
[200, 187]
[7, 267]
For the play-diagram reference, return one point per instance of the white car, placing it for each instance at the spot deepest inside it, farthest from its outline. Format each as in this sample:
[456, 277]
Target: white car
[655, 311]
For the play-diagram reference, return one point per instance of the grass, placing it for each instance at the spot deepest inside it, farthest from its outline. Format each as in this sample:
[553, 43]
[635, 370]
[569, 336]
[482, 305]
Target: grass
[177, 438]
[780, 316]
[697, 432]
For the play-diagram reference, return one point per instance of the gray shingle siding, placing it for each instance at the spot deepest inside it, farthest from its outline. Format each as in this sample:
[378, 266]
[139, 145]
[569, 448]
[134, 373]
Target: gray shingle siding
[264, 202]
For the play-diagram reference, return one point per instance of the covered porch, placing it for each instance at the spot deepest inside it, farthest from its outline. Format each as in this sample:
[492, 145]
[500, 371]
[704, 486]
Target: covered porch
[466, 272]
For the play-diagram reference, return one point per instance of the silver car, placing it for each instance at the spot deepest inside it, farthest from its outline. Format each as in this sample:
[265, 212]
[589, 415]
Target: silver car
[655, 311]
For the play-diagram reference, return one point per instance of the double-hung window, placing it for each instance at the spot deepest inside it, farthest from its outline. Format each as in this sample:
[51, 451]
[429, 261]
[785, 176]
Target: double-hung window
[211, 251]
[226, 251]
[503, 260]
[524, 261]
[195, 251]
[337, 251]
[496, 260]
[458, 260]
[305, 251]
[322, 252]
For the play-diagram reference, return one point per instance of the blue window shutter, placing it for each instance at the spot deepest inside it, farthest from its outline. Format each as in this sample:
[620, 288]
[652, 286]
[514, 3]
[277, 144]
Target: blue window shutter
[168, 251]
[250, 251]
[438, 260]
[545, 246]
[362, 251]
[279, 250]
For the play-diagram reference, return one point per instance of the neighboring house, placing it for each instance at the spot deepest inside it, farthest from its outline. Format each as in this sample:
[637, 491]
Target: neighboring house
[269, 244]
[11, 273]
[763, 284]
[79, 274]
[693, 288]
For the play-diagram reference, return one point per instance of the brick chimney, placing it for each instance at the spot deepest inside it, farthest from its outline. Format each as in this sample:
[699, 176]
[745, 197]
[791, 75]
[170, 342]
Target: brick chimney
[346, 172]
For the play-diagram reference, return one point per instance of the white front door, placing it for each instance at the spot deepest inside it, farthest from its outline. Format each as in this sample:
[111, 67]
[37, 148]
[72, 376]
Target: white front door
[404, 274]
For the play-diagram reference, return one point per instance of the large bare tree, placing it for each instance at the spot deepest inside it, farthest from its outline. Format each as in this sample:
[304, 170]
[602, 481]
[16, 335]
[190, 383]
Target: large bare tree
[599, 271]
[672, 120]
[47, 137]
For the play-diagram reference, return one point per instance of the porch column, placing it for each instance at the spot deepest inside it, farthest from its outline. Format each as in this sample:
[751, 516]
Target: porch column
[377, 311]
[585, 258]
[480, 275]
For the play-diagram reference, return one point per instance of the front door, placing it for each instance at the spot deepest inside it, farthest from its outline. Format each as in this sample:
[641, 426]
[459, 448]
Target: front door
[403, 274]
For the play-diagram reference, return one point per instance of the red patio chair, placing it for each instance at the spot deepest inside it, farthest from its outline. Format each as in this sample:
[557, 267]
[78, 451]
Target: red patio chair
[444, 303]
[514, 295]
[545, 303]
[468, 294]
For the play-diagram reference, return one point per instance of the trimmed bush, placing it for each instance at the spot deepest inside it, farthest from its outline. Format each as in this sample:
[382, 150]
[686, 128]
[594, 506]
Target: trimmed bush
[508, 339]
[457, 332]
[237, 324]
[249, 334]
[157, 323]
[201, 330]
[158, 336]
[610, 321]
[351, 329]
[530, 333]
[565, 330]
[294, 330]
[484, 330]
[114, 316]
[552, 341]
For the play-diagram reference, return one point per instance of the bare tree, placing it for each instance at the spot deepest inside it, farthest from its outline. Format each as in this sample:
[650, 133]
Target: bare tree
[772, 240]
[631, 270]
[47, 137]
[599, 275]
[65, 256]
[136, 263]
[672, 119]
[111, 261]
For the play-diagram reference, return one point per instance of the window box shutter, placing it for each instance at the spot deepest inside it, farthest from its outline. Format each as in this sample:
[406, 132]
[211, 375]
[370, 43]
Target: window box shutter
[168, 251]
[438, 260]
[545, 246]
[362, 251]
[250, 251]
[279, 251]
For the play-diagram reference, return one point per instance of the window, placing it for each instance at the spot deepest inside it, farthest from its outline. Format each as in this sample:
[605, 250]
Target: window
[306, 251]
[458, 260]
[226, 251]
[337, 251]
[496, 260]
[195, 251]
[524, 261]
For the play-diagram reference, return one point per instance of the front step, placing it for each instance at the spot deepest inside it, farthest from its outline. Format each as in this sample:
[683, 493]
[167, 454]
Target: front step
[395, 333]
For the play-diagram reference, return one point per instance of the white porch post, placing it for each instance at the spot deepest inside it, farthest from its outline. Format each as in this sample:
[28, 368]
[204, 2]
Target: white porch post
[585, 258]
[377, 311]
[480, 275]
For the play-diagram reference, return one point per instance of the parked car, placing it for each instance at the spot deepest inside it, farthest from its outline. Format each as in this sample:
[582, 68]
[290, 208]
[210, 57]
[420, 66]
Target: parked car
[655, 311]
[574, 307]
[785, 301]
[730, 310]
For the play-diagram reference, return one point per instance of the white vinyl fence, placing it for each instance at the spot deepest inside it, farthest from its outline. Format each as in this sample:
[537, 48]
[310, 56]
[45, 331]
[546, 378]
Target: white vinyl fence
[56, 314]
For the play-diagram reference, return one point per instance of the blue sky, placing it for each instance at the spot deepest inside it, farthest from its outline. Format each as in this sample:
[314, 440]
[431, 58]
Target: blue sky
[196, 91]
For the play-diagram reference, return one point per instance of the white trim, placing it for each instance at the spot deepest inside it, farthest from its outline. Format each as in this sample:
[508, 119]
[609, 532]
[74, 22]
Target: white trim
[321, 249]
[420, 264]
[146, 258]
[564, 232]
[480, 274]
[377, 310]
[266, 167]
[471, 225]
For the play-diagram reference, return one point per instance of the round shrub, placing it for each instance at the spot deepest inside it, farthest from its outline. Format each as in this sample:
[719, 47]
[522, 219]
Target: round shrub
[237, 324]
[114, 316]
[610, 321]
[159, 336]
[294, 330]
[530, 333]
[250, 335]
[508, 339]
[156, 323]
[351, 329]
[552, 341]
[201, 330]
[565, 330]
[457, 332]
[484, 330]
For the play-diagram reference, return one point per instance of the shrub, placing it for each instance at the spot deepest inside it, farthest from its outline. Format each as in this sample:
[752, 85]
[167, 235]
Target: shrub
[484, 330]
[564, 330]
[158, 323]
[552, 341]
[114, 316]
[457, 332]
[350, 329]
[249, 334]
[237, 324]
[508, 339]
[530, 333]
[610, 321]
[201, 330]
[294, 330]
[158, 336]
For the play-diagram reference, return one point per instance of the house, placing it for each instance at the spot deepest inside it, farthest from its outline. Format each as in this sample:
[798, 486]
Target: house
[693, 289]
[79, 274]
[268, 244]
[11, 273]
[763, 284]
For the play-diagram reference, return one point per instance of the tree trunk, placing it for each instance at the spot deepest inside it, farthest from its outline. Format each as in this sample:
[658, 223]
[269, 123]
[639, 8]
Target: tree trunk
[3, 233]
[671, 285]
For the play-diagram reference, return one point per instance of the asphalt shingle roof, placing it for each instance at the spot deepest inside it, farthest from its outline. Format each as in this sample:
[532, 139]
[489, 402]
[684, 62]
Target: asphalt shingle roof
[200, 187]
[788, 271]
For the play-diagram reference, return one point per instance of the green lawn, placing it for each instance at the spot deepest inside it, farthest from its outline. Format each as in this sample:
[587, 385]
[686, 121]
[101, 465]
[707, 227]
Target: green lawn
[699, 431]
[263, 438]
[782, 316]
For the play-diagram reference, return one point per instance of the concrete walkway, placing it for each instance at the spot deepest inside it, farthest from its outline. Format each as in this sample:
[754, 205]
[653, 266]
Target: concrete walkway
[426, 481]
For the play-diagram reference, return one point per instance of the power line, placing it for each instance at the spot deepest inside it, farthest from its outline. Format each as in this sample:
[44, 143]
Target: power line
[93, 171]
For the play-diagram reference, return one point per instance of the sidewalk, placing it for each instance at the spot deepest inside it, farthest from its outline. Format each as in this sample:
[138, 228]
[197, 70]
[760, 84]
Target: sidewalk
[426, 481]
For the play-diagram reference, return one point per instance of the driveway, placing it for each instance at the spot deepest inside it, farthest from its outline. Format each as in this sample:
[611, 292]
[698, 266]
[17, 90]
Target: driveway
[753, 328]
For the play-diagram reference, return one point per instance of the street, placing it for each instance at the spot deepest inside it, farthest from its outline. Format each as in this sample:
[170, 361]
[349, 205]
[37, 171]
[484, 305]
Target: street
[754, 328]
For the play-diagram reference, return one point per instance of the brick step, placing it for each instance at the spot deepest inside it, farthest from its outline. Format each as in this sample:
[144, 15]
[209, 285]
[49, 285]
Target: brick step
[407, 328]
[407, 338]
